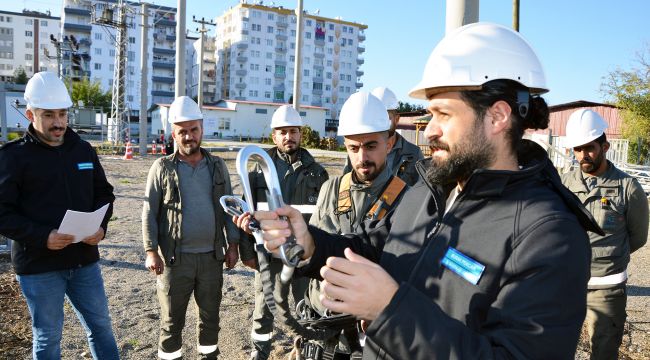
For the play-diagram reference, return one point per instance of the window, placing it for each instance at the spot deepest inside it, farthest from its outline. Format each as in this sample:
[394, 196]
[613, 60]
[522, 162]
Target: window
[342, 77]
[305, 72]
[29, 33]
[255, 67]
[223, 124]
[307, 60]
[29, 45]
[292, 58]
[329, 62]
[293, 33]
[269, 55]
[293, 46]
[43, 22]
[347, 89]
[268, 68]
[271, 16]
[252, 93]
[257, 27]
[329, 51]
[98, 51]
[98, 66]
[111, 67]
[278, 95]
[98, 36]
[9, 19]
[328, 75]
[331, 26]
[267, 81]
[260, 111]
[317, 86]
[328, 87]
[29, 22]
[111, 52]
[269, 29]
[330, 38]
[308, 35]
[308, 22]
[267, 94]
[305, 98]
[345, 29]
[279, 69]
[350, 42]
[269, 42]
[130, 55]
[348, 77]
[131, 40]
[29, 57]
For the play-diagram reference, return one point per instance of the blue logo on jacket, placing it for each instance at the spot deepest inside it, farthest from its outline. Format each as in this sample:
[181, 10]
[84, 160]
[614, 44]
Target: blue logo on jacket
[85, 166]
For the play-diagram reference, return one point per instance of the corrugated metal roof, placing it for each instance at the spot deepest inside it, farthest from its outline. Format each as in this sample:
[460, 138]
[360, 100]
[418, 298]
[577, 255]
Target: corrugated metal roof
[559, 116]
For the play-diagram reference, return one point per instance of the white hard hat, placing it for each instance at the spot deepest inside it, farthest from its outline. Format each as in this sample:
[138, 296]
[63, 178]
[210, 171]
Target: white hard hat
[285, 116]
[386, 96]
[584, 126]
[46, 91]
[184, 109]
[363, 113]
[477, 53]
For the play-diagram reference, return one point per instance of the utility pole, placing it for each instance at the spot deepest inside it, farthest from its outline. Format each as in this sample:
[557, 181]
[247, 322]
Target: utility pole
[202, 31]
[297, 72]
[460, 12]
[179, 71]
[515, 15]
[143, 78]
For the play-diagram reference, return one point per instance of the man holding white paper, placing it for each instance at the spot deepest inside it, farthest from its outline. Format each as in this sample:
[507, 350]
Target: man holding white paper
[44, 174]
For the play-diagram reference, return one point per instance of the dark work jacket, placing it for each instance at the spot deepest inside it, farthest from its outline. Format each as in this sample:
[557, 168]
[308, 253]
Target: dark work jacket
[38, 183]
[523, 226]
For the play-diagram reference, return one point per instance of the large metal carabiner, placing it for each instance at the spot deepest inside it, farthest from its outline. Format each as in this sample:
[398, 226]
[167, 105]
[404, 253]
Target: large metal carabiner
[290, 252]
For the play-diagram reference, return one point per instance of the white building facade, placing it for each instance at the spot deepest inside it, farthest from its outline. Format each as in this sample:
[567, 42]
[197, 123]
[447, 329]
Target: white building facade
[235, 119]
[25, 42]
[98, 51]
[255, 58]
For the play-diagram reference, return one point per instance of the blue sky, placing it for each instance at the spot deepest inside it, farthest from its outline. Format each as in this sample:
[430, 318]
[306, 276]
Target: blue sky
[578, 41]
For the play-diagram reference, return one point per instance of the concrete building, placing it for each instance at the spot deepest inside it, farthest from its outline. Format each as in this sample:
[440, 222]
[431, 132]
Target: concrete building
[97, 48]
[24, 42]
[232, 119]
[255, 58]
[209, 68]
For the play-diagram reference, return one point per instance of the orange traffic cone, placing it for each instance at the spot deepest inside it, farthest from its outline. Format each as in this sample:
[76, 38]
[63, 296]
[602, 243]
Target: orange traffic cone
[153, 148]
[163, 150]
[128, 154]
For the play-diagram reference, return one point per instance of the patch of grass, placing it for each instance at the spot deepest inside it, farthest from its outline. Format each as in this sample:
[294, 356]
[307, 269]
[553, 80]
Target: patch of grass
[113, 218]
[125, 181]
[133, 342]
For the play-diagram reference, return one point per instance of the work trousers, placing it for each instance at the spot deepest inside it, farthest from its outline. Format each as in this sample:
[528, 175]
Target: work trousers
[605, 321]
[262, 332]
[201, 274]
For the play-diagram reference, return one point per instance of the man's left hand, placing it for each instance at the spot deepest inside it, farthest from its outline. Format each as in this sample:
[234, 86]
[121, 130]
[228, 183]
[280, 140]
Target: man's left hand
[232, 254]
[356, 285]
[95, 238]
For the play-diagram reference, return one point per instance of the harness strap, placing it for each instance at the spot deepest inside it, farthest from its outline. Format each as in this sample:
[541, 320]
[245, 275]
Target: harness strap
[387, 198]
[344, 203]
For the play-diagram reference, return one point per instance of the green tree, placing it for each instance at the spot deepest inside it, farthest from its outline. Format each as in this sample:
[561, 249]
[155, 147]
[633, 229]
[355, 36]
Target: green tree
[630, 91]
[90, 92]
[310, 137]
[20, 77]
[407, 107]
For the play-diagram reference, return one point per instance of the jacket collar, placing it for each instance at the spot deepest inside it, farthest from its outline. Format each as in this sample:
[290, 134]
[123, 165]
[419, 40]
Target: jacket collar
[69, 137]
[303, 156]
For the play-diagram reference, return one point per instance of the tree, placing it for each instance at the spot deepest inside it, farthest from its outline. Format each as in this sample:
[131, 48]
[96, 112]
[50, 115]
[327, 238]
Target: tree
[90, 92]
[630, 91]
[310, 137]
[406, 107]
[20, 77]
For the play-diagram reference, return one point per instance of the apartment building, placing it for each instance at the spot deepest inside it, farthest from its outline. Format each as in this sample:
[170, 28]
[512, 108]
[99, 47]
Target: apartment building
[97, 49]
[193, 46]
[25, 42]
[255, 57]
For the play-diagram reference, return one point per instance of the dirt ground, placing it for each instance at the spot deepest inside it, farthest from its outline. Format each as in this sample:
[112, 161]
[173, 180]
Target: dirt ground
[134, 308]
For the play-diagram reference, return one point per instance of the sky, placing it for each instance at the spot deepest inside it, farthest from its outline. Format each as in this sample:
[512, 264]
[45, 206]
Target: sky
[579, 41]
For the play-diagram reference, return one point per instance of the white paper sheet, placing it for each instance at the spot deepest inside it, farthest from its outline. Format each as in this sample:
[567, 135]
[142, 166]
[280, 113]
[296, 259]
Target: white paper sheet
[82, 224]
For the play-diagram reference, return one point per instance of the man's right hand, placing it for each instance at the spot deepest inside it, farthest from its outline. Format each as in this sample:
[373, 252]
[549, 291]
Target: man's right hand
[57, 241]
[276, 231]
[154, 263]
[243, 222]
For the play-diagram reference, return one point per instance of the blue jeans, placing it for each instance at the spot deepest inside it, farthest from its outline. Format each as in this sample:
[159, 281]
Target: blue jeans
[84, 289]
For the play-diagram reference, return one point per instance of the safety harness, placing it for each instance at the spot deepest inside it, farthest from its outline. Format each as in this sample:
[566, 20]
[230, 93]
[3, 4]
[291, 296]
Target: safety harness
[380, 207]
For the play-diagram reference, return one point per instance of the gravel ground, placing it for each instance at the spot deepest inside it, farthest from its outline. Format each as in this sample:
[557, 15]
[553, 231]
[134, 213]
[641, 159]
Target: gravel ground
[134, 308]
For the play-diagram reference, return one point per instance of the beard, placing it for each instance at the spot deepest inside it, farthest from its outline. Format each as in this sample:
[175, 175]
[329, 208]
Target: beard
[472, 153]
[188, 148]
[289, 148]
[370, 176]
[590, 166]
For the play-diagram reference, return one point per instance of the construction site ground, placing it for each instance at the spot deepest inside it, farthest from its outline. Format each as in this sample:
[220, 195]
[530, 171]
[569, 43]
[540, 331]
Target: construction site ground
[131, 288]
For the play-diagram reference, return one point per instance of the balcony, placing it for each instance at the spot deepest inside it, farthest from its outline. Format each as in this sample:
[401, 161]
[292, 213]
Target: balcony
[332, 123]
[282, 50]
[163, 65]
[164, 22]
[319, 42]
[244, 18]
[280, 62]
[282, 24]
[318, 102]
[242, 59]
[319, 68]
[317, 92]
[359, 84]
[162, 93]
[317, 78]
[360, 61]
[77, 27]
[361, 49]
[164, 51]
[281, 37]
[76, 11]
[171, 37]
[280, 76]
[279, 87]
[359, 72]
[241, 72]
[163, 79]
[240, 86]
[85, 42]
[242, 45]
[362, 36]
[319, 55]
[244, 32]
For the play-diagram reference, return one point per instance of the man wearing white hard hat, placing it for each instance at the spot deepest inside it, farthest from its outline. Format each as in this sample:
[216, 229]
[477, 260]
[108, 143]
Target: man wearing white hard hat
[364, 194]
[403, 155]
[301, 178]
[183, 228]
[42, 175]
[488, 256]
[618, 202]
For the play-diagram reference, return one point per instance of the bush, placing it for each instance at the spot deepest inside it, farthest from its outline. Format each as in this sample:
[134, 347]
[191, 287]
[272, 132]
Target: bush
[310, 138]
[13, 136]
[329, 143]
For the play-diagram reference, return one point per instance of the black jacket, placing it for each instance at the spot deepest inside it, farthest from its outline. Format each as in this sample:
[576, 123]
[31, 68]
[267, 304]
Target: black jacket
[38, 183]
[530, 299]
